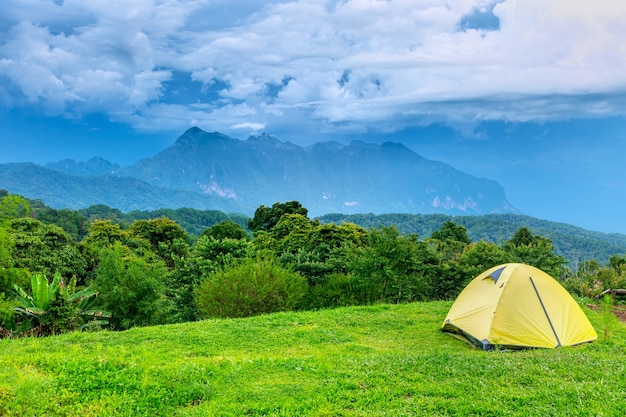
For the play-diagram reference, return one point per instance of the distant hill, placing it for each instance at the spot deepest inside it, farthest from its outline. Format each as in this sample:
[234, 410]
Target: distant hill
[59, 190]
[575, 243]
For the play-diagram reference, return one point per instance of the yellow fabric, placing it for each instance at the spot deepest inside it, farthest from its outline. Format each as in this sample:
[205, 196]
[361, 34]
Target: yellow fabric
[522, 307]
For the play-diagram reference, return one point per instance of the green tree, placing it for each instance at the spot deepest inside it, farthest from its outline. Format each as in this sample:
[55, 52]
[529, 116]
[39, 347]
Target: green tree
[226, 230]
[265, 218]
[131, 288]
[209, 254]
[74, 223]
[257, 286]
[535, 250]
[451, 232]
[13, 207]
[167, 239]
[393, 268]
[45, 249]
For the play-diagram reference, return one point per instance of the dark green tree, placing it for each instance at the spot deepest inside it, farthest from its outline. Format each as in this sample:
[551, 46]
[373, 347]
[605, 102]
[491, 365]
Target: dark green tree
[45, 249]
[393, 268]
[166, 238]
[265, 218]
[537, 251]
[451, 232]
[226, 230]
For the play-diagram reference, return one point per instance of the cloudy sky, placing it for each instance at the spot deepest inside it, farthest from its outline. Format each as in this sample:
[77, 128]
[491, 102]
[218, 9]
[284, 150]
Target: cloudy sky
[530, 93]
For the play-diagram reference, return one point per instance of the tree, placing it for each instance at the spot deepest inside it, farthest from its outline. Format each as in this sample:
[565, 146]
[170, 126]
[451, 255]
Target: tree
[226, 230]
[451, 232]
[537, 251]
[131, 288]
[167, 239]
[265, 218]
[393, 268]
[74, 223]
[13, 206]
[45, 249]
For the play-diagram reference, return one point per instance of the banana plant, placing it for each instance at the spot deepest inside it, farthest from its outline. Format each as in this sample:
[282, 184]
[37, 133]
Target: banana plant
[38, 306]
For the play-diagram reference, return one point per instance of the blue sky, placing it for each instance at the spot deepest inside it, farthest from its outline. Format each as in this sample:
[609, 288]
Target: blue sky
[530, 93]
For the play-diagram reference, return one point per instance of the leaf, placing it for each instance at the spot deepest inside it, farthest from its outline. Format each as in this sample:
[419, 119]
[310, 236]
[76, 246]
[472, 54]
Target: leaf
[39, 285]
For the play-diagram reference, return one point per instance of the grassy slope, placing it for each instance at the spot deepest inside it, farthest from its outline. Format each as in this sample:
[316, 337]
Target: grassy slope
[366, 361]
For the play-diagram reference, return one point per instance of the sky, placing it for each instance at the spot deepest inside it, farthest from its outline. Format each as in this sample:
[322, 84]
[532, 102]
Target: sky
[529, 93]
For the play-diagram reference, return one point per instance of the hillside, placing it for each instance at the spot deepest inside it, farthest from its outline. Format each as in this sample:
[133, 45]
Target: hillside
[59, 190]
[575, 243]
[384, 360]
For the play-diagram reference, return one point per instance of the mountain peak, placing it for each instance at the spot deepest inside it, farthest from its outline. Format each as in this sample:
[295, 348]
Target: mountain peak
[327, 177]
[195, 135]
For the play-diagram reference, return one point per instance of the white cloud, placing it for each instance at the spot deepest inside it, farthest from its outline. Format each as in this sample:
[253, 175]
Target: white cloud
[356, 63]
[250, 126]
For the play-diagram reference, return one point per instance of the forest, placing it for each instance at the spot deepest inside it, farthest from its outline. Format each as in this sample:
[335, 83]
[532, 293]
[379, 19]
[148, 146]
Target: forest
[64, 270]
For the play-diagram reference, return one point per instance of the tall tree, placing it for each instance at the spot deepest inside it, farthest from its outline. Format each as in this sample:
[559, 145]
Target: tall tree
[265, 218]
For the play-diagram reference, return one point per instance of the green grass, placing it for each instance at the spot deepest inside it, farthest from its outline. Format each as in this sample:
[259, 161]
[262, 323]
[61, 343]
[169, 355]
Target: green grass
[367, 361]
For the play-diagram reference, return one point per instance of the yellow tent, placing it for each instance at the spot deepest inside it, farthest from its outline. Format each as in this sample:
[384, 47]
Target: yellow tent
[517, 306]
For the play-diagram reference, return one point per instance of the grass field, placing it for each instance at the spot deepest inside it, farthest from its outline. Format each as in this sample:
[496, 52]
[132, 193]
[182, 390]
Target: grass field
[386, 360]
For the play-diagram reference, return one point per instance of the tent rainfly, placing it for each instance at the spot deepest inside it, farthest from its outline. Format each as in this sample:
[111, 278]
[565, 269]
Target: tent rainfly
[517, 306]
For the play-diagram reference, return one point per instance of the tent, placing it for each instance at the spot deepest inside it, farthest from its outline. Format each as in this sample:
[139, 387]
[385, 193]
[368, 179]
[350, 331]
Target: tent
[517, 306]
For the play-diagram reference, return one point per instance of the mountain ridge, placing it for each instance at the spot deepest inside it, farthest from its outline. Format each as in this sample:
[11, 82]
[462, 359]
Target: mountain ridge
[325, 177]
[214, 171]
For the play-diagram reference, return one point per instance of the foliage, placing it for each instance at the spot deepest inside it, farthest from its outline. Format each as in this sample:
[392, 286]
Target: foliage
[337, 289]
[393, 268]
[71, 221]
[193, 221]
[13, 207]
[7, 315]
[166, 238]
[574, 243]
[226, 230]
[131, 288]
[265, 218]
[211, 255]
[45, 249]
[257, 286]
[451, 232]
[55, 307]
[609, 321]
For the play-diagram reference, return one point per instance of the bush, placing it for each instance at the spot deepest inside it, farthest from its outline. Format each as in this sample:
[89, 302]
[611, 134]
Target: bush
[257, 286]
[337, 290]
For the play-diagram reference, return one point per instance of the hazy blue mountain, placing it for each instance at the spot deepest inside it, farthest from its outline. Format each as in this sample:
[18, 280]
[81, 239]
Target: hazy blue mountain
[92, 167]
[326, 177]
[212, 171]
[59, 190]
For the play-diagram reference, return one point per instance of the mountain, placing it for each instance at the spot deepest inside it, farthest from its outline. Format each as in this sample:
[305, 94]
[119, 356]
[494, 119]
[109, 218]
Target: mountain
[59, 190]
[212, 171]
[326, 177]
[92, 167]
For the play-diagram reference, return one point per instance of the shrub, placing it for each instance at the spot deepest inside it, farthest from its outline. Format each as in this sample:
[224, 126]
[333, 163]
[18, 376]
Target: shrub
[256, 286]
[337, 290]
